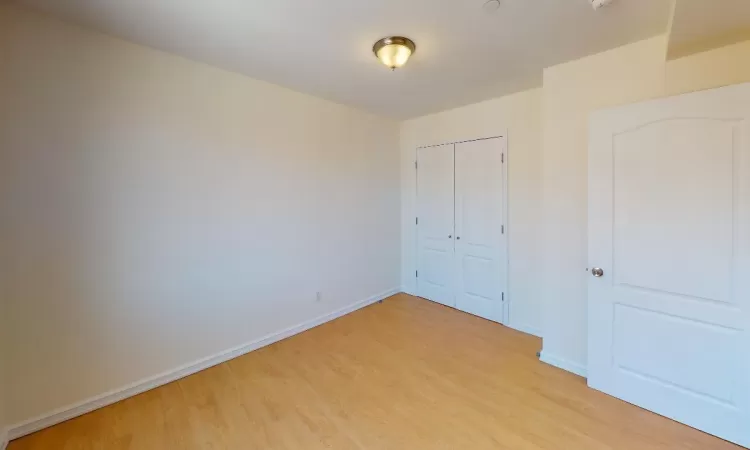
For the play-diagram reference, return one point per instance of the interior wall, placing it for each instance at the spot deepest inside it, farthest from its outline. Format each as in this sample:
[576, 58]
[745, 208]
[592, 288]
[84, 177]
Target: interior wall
[570, 93]
[518, 115]
[711, 69]
[4, 386]
[3, 413]
[4, 321]
[158, 211]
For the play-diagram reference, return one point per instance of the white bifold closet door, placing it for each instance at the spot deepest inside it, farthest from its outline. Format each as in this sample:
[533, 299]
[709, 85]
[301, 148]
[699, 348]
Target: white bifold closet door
[461, 245]
[480, 262]
[435, 222]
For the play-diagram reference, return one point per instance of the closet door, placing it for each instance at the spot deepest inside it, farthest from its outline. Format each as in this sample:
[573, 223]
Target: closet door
[435, 279]
[480, 261]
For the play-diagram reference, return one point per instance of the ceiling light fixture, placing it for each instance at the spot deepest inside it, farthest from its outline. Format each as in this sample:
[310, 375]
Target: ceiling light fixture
[491, 6]
[394, 51]
[596, 4]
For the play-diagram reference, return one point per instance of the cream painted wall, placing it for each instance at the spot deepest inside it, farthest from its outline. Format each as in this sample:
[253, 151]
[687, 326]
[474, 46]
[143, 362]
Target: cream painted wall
[157, 211]
[4, 422]
[4, 386]
[570, 93]
[711, 69]
[519, 116]
[4, 321]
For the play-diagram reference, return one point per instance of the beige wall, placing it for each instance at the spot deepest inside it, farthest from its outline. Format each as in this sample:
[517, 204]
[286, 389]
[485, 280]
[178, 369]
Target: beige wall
[719, 67]
[4, 321]
[157, 211]
[4, 386]
[571, 91]
[519, 116]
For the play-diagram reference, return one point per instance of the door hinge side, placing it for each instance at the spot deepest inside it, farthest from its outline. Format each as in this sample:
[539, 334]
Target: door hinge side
[416, 221]
[503, 296]
[416, 274]
[416, 165]
[502, 157]
[502, 229]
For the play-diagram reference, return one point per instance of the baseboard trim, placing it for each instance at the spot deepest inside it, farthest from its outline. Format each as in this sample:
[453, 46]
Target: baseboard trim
[526, 329]
[562, 363]
[114, 396]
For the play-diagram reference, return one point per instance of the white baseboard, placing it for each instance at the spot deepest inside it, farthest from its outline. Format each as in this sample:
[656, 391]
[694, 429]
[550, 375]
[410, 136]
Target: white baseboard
[108, 398]
[3, 439]
[526, 329]
[564, 364]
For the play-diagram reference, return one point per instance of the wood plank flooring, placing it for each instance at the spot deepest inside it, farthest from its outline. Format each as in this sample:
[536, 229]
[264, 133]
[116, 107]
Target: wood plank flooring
[404, 374]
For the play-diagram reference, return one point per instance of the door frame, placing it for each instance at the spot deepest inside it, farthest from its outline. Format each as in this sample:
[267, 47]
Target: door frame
[506, 219]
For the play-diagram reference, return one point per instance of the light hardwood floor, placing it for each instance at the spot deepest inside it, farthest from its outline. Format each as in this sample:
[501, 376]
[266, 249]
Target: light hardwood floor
[405, 374]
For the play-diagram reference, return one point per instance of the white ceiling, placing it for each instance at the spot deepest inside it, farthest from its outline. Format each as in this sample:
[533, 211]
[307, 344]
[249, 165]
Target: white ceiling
[323, 47]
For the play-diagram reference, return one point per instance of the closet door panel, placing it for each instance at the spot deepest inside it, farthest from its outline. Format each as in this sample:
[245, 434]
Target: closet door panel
[435, 230]
[480, 251]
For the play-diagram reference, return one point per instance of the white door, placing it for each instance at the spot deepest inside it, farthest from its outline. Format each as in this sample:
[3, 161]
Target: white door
[669, 225]
[435, 228]
[480, 242]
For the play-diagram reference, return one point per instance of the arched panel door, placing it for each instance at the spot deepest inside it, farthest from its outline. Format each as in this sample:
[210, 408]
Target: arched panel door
[669, 255]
